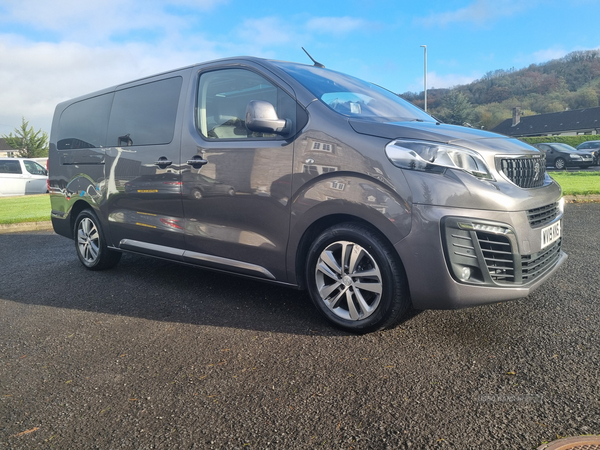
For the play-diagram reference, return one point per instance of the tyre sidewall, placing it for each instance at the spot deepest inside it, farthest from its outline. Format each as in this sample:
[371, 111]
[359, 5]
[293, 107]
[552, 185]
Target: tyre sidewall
[393, 302]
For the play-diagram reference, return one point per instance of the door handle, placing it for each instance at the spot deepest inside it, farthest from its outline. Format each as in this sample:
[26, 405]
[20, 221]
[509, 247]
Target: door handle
[197, 161]
[163, 162]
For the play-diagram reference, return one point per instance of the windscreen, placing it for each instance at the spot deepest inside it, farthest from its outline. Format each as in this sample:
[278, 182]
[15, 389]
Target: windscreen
[354, 97]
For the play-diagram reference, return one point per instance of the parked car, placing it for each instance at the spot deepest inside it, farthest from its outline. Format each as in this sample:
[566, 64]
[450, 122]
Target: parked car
[312, 179]
[21, 176]
[561, 156]
[591, 146]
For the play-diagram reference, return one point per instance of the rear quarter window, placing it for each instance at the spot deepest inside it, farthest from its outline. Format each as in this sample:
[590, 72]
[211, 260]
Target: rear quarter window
[145, 114]
[84, 124]
[12, 167]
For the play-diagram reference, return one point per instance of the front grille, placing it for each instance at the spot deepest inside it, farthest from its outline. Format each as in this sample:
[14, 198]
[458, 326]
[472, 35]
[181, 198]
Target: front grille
[543, 215]
[525, 172]
[498, 257]
[536, 264]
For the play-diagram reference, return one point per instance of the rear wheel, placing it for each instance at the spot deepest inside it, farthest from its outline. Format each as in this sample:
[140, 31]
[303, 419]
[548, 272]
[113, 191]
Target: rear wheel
[356, 279]
[559, 163]
[91, 244]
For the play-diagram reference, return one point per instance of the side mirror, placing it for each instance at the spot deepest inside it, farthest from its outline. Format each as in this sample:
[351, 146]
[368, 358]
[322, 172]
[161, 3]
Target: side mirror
[261, 117]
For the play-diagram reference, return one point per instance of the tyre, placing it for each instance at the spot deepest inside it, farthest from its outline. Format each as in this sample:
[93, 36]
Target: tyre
[90, 243]
[559, 163]
[356, 279]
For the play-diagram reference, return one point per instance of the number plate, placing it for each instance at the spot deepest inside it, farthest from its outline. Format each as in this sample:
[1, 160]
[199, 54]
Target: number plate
[550, 234]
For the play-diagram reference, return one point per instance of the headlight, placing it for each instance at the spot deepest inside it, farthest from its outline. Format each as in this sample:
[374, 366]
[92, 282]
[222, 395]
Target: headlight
[574, 156]
[434, 156]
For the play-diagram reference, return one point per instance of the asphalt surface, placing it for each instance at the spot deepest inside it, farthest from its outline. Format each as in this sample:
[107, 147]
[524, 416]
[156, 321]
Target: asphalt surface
[153, 355]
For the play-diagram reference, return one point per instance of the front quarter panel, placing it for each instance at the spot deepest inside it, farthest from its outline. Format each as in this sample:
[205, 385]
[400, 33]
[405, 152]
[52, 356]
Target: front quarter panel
[341, 175]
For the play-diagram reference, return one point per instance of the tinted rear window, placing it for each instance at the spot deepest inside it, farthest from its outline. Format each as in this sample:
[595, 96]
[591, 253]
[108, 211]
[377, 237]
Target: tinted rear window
[10, 167]
[145, 114]
[84, 124]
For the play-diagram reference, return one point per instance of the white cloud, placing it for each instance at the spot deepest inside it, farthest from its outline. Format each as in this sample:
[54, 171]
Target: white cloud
[548, 54]
[40, 75]
[94, 22]
[337, 25]
[267, 31]
[436, 81]
[480, 12]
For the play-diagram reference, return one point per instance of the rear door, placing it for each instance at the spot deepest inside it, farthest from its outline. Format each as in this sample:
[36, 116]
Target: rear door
[143, 167]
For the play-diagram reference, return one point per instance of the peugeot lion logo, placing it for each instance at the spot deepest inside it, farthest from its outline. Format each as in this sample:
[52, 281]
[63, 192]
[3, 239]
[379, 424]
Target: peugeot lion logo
[536, 169]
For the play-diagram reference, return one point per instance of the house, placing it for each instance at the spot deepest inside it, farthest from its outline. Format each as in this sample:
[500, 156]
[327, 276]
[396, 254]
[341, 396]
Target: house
[564, 123]
[6, 151]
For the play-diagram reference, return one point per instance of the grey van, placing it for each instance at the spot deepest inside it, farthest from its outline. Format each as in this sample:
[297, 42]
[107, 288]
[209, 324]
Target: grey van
[309, 178]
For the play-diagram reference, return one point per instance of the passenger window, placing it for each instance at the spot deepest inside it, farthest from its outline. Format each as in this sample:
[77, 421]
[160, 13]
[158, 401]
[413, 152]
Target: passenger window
[10, 167]
[222, 99]
[84, 124]
[145, 114]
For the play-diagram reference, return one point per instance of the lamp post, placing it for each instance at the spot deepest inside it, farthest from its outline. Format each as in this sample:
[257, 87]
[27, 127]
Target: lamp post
[425, 76]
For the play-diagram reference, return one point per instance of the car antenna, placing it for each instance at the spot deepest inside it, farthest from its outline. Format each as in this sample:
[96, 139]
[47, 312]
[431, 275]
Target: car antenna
[317, 64]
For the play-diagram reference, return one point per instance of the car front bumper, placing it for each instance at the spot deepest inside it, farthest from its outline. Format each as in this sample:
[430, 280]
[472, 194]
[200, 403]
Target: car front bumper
[450, 264]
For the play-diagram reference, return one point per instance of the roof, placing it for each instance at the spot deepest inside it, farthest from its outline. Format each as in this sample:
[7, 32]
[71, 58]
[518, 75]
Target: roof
[587, 119]
[4, 145]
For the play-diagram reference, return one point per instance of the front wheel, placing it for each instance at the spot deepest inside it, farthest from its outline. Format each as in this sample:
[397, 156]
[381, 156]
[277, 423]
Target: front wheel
[356, 280]
[560, 163]
[90, 243]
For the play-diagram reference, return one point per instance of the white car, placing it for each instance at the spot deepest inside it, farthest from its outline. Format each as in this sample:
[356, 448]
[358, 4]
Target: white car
[21, 176]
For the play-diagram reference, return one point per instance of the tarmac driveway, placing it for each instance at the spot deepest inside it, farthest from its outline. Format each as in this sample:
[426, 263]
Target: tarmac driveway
[153, 355]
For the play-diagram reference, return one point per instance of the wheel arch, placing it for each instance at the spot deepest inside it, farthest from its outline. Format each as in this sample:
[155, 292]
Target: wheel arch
[317, 227]
[79, 206]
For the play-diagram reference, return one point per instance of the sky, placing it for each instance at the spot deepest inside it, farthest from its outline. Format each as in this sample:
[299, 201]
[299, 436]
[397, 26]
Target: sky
[51, 51]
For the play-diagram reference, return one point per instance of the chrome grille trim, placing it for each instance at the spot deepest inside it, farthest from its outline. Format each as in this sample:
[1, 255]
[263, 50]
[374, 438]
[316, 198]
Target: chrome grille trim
[525, 172]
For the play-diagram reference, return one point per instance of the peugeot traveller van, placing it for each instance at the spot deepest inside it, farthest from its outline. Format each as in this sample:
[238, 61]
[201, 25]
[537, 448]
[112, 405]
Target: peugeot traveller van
[309, 178]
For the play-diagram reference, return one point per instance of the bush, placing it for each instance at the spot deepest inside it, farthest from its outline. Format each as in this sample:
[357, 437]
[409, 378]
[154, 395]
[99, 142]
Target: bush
[573, 141]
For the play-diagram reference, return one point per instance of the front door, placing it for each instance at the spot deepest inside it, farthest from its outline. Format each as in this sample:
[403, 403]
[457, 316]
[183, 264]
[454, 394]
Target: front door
[237, 203]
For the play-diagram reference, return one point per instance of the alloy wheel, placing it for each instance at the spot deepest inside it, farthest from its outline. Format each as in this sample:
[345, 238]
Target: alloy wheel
[348, 280]
[88, 240]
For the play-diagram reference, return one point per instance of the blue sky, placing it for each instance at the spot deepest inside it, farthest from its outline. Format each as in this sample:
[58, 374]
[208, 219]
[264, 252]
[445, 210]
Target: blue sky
[53, 51]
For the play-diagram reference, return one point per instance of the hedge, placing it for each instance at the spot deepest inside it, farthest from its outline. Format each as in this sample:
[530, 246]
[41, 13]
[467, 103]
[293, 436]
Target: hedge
[573, 141]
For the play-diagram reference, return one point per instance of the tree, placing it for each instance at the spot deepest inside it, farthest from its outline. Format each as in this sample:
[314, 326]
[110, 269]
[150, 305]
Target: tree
[29, 143]
[456, 108]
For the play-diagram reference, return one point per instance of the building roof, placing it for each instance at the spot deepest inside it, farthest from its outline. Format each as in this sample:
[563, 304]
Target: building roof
[4, 145]
[577, 120]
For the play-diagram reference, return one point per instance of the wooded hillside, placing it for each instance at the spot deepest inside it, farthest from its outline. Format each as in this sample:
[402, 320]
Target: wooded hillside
[571, 82]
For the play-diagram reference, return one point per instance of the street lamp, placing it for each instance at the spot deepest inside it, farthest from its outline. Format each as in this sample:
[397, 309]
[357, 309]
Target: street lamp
[425, 76]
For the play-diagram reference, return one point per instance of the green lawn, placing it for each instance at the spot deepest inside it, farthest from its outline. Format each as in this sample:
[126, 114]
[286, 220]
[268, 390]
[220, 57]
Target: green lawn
[578, 183]
[28, 208]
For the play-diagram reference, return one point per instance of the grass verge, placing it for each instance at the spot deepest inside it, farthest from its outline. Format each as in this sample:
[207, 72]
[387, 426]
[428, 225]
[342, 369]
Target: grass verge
[578, 183]
[28, 208]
